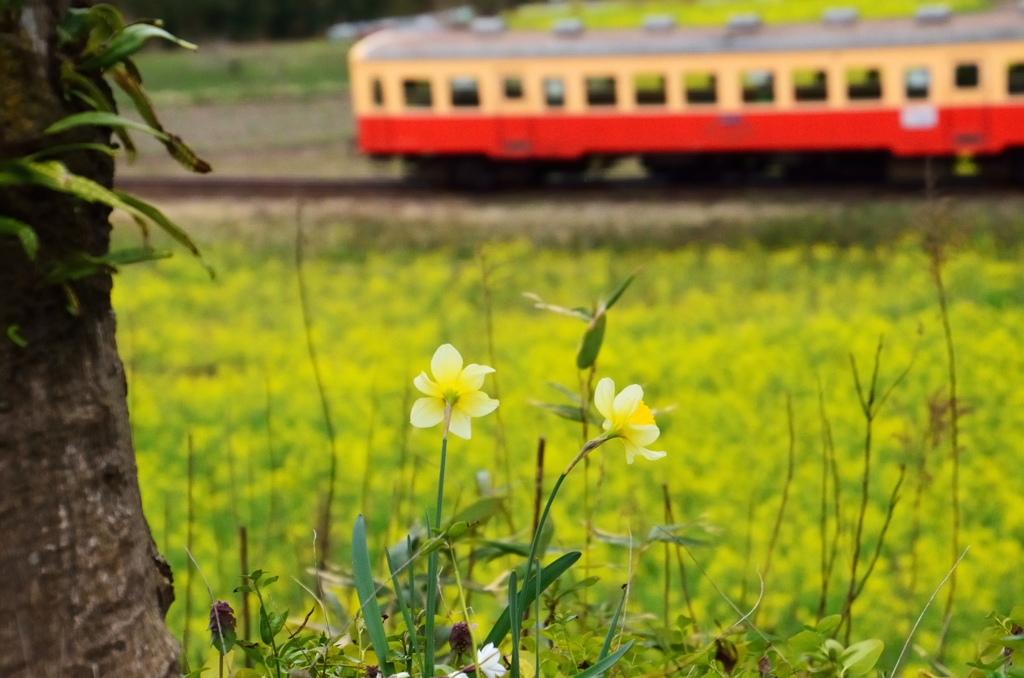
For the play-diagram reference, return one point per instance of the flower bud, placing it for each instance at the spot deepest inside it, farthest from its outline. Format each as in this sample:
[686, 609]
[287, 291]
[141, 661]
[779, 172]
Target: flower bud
[222, 617]
[460, 638]
[222, 626]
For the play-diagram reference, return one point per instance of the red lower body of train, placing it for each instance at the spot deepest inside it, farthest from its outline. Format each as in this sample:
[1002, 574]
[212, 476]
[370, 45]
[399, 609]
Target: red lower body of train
[692, 145]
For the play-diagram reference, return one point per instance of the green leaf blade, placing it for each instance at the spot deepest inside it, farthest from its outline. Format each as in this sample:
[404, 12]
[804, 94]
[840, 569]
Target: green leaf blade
[23, 232]
[861, 657]
[549, 574]
[367, 593]
[603, 665]
[103, 119]
[127, 42]
[618, 292]
[590, 345]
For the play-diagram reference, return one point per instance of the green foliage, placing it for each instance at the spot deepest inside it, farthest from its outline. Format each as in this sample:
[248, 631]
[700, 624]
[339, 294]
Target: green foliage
[22, 231]
[96, 40]
[368, 595]
[101, 43]
[54, 176]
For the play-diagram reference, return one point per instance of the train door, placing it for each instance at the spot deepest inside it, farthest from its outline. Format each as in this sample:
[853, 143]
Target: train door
[967, 118]
[967, 126]
[516, 136]
[515, 125]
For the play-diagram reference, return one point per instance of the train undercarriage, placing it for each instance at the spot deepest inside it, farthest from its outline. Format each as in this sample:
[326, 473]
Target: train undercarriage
[480, 173]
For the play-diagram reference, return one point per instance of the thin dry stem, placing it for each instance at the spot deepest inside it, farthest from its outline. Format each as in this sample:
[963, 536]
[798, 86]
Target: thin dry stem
[790, 468]
[307, 322]
[871, 404]
[188, 545]
[828, 463]
[501, 454]
[683, 579]
[954, 443]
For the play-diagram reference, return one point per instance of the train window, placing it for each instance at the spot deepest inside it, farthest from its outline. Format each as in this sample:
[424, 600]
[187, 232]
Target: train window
[417, 93]
[810, 85]
[465, 93]
[701, 88]
[863, 84]
[601, 91]
[649, 88]
[513, 87]
[378, 92]
[554, 92]
[758, 87]
[1015, 79]
[966, 76]
[917, 81]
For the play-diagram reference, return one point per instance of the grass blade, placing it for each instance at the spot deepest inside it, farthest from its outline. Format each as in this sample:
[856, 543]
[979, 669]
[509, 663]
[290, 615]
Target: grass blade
[547, 577]
[431, 606]
[603, 665]
[515, 617]
[611, 627]
[409, 623]
[368, 595]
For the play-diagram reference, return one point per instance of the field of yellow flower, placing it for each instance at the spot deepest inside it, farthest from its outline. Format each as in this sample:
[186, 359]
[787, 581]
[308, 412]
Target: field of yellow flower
[718, 338]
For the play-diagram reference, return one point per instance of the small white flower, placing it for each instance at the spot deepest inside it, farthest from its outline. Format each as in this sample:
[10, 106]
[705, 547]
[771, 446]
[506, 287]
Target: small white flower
[401, 674]
[488, 662]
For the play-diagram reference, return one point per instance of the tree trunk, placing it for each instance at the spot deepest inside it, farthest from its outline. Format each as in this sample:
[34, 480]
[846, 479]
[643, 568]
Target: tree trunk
[83, 591]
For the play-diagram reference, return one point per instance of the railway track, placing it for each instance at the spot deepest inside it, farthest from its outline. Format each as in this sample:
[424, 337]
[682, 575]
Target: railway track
[601, 189]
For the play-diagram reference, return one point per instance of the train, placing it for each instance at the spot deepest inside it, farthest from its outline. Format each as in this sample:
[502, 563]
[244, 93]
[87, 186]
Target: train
[844, 99]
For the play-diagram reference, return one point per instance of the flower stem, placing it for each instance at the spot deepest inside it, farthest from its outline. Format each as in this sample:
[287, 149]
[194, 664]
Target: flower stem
[586, 449]
[440, 483]
[465, 607]
[431, 602]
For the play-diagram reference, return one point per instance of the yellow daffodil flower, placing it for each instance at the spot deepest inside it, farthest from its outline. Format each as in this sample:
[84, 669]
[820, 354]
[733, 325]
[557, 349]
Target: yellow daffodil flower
[456, 387]
[627, 417]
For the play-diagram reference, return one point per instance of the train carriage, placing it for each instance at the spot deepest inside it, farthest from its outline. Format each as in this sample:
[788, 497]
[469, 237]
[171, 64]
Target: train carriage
[841, 98]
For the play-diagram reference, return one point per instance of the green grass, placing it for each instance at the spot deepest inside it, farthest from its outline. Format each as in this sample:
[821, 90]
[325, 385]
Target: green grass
[724, 334]
[620, 14]
[220, 72]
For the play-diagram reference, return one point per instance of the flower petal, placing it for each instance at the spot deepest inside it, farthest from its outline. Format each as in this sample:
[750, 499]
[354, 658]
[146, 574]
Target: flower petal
[631, 450]
[627, 402]
[642, 435]
[460, 424]
[476, 404]
[472, 377]
[650, 454]
[425, 385]
[446, 364]
[604, 398]
[427, 412]
[488, 659]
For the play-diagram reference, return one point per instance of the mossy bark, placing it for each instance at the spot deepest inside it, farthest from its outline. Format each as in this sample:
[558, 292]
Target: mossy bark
[84, 591]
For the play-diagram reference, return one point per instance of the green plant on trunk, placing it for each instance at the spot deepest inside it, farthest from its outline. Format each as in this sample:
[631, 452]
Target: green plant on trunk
[96, 46]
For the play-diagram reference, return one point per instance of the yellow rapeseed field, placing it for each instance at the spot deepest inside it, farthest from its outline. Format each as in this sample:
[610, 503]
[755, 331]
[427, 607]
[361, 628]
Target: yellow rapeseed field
[722, 335]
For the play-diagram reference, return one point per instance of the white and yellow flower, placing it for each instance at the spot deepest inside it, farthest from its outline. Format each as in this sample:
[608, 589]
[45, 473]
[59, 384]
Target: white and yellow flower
[627, 417]
[488, 662]
[456, 387]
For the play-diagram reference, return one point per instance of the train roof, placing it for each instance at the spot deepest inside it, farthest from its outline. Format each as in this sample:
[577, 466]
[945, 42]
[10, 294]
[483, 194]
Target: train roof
[419, 43]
